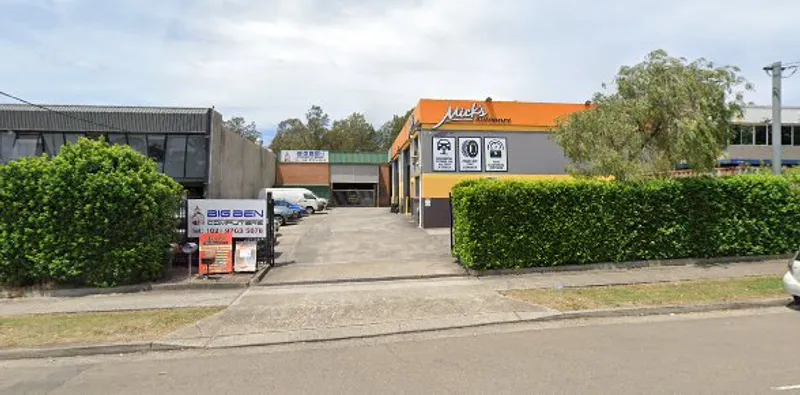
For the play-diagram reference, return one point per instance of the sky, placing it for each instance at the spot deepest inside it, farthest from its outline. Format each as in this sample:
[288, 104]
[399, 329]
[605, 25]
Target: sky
[270, 60]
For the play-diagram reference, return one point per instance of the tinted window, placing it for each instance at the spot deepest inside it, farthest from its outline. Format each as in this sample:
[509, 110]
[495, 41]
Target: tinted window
[156, 149]
[761, 135]
[786, 135]
[138, 143]
[796, 130]
[53, 143]
[747, 135]
[735, 135]
[27, 145]
[117, 139]
[176, 156]
[196, 157]
[309, 196]
[6, 146]
[73, 138]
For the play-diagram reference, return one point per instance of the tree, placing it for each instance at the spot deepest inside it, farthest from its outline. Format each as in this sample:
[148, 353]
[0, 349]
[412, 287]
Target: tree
[239, 126]
[665, 111]
[293, 134]
[389, 130]
[352, 134]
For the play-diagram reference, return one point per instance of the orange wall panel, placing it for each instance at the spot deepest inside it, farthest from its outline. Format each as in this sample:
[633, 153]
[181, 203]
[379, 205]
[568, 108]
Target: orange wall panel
[304, 174]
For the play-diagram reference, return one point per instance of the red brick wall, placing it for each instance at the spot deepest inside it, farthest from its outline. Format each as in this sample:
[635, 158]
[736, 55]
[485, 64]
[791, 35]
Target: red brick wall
[304, 174]
[384, 186]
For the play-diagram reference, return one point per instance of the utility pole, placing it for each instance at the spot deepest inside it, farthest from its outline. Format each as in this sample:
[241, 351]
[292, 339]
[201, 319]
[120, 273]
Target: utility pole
[776, 71]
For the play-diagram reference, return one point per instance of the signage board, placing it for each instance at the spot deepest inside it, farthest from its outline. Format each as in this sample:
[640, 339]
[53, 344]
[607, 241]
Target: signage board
[496, 155]
[220, 247]
[245, 260]
[469, 154]
[246, 218]
[475, 113]
[304, 156]
[444, 154]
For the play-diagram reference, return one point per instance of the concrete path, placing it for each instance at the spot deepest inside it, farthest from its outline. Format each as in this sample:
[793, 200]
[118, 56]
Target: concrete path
[347, 244]
[730, 353]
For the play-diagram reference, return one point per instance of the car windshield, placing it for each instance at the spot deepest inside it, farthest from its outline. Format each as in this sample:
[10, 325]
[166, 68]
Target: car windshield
[309, 196]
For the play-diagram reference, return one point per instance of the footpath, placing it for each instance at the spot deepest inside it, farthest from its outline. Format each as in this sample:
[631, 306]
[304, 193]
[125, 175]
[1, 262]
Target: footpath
[272, 315]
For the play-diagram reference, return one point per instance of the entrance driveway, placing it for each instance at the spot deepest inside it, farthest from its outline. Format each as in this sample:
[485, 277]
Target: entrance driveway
[351, 244]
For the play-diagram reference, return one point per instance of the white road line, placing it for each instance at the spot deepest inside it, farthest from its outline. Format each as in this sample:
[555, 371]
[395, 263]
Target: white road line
[786, 388]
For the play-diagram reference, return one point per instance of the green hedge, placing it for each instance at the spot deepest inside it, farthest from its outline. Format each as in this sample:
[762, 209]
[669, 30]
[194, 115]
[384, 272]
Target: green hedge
[516, 224]
[95, 214]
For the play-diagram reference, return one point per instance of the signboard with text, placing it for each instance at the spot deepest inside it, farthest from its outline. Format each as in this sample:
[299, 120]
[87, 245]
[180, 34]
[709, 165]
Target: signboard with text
[243, 218]
[444, 154]
[245, 260]
[304, 156]
[217, 249]
[469, 154]
[496, 155]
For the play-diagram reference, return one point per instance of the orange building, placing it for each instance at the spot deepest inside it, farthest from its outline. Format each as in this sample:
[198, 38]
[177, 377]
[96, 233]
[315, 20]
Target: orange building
[447, 141]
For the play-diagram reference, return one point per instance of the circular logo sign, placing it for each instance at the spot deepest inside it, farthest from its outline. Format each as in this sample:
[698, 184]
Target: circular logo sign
[470, 148]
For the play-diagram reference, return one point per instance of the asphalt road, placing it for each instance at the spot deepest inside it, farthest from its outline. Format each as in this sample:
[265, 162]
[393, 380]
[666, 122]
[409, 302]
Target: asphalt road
[722, 353]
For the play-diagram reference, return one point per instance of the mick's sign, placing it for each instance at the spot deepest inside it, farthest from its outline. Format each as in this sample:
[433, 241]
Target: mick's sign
[475, 113]
[245, 219]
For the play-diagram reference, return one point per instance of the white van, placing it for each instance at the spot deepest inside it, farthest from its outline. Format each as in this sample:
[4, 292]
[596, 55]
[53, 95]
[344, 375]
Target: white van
[299, 196]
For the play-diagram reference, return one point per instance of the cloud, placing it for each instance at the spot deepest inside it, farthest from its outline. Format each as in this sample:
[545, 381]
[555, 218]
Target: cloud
[270, 60]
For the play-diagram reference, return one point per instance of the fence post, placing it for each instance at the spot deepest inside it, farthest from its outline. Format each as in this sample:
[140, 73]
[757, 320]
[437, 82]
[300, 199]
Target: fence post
[270, 229]
[452, 236]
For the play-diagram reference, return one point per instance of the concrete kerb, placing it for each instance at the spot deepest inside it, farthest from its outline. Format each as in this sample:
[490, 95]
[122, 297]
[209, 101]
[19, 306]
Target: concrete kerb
[365, 279]
[627, 265]
[358, 333]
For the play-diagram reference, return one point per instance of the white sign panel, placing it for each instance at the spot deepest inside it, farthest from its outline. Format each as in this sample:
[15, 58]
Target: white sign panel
[245, 219]
[245, 260]
[304, 156]
[469, 154]
[444, 154]
[496, 153]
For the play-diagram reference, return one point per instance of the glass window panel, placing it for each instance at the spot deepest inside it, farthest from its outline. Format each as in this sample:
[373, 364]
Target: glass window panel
[796, 130]
[156, 149]
[196, 156]
[786, 135]
[73, 138]
[747, 135]
[769, 134]
[53, 143]
[117, 139]
[27, 145]
[6, 146]
[138, 143]
[735, 135]
[761, 135]
[176, 156]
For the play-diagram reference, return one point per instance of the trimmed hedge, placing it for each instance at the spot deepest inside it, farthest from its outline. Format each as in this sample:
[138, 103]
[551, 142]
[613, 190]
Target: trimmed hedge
[518, 224]
[95, 214]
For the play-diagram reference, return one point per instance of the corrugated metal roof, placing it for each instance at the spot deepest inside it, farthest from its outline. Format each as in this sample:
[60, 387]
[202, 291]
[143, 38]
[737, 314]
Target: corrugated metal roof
[366, 158]
[84, 118]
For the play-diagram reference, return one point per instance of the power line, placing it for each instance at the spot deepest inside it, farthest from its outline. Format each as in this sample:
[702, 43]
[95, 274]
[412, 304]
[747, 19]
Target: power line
[61, 113]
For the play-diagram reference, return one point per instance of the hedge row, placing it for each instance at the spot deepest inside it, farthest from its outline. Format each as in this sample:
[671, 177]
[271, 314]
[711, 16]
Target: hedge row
[516, 224]
[94, 215]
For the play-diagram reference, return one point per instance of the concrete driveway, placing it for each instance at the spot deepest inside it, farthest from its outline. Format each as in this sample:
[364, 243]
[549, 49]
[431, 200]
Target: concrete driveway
[351, 244]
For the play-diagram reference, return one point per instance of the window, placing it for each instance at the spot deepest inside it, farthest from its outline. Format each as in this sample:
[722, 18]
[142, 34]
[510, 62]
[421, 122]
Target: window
[761, 135]
[786, 135]
[176, 156]
[53, 143]
[796, 132]
[196, 156]
[27, 145]
[747, 134]
[156, 149]
[138, 143]
[117, 139]
[73, 138]
[735, 135]
[6, 145]
[309, 196]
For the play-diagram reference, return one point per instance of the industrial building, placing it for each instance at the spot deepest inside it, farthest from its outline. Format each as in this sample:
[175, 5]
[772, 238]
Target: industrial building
[344, 178]
[188, 144]
[447, 141]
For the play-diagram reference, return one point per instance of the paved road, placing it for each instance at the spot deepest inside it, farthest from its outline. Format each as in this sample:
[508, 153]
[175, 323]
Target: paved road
[730, 353]
[359, 243]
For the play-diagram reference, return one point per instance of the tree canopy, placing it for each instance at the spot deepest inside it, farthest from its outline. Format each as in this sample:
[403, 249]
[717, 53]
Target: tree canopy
[663, 112]
[240, 126]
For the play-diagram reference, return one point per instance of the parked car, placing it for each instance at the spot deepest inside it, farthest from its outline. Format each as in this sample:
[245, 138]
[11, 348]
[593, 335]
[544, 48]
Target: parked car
[286, 215]
[299, 210]
[300, 196]
[791, 280]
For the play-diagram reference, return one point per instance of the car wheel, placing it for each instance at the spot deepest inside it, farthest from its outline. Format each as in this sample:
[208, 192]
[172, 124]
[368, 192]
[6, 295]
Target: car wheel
[310, 210]
[283, 221]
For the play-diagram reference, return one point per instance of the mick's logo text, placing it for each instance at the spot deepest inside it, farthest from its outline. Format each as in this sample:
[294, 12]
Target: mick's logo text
[476, 113]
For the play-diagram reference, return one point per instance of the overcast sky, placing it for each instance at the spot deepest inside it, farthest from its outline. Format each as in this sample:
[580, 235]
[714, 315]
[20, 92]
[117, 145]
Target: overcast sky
[270, 60]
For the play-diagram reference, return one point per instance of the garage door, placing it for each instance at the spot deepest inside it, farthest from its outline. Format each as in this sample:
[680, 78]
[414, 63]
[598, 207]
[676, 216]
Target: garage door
[352, 174]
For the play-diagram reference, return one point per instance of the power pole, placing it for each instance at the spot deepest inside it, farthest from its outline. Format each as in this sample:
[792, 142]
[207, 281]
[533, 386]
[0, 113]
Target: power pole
[776, 71]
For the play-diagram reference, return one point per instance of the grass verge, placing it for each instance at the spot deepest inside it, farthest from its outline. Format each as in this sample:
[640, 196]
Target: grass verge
[96, 328]
[659, 294]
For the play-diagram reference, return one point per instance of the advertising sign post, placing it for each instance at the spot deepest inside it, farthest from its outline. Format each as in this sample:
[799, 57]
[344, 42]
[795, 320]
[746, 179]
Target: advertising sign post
[245, 218]
[216, 247]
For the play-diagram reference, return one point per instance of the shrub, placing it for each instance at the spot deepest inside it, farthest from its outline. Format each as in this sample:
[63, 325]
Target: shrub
[515, 224]
[95, 214]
